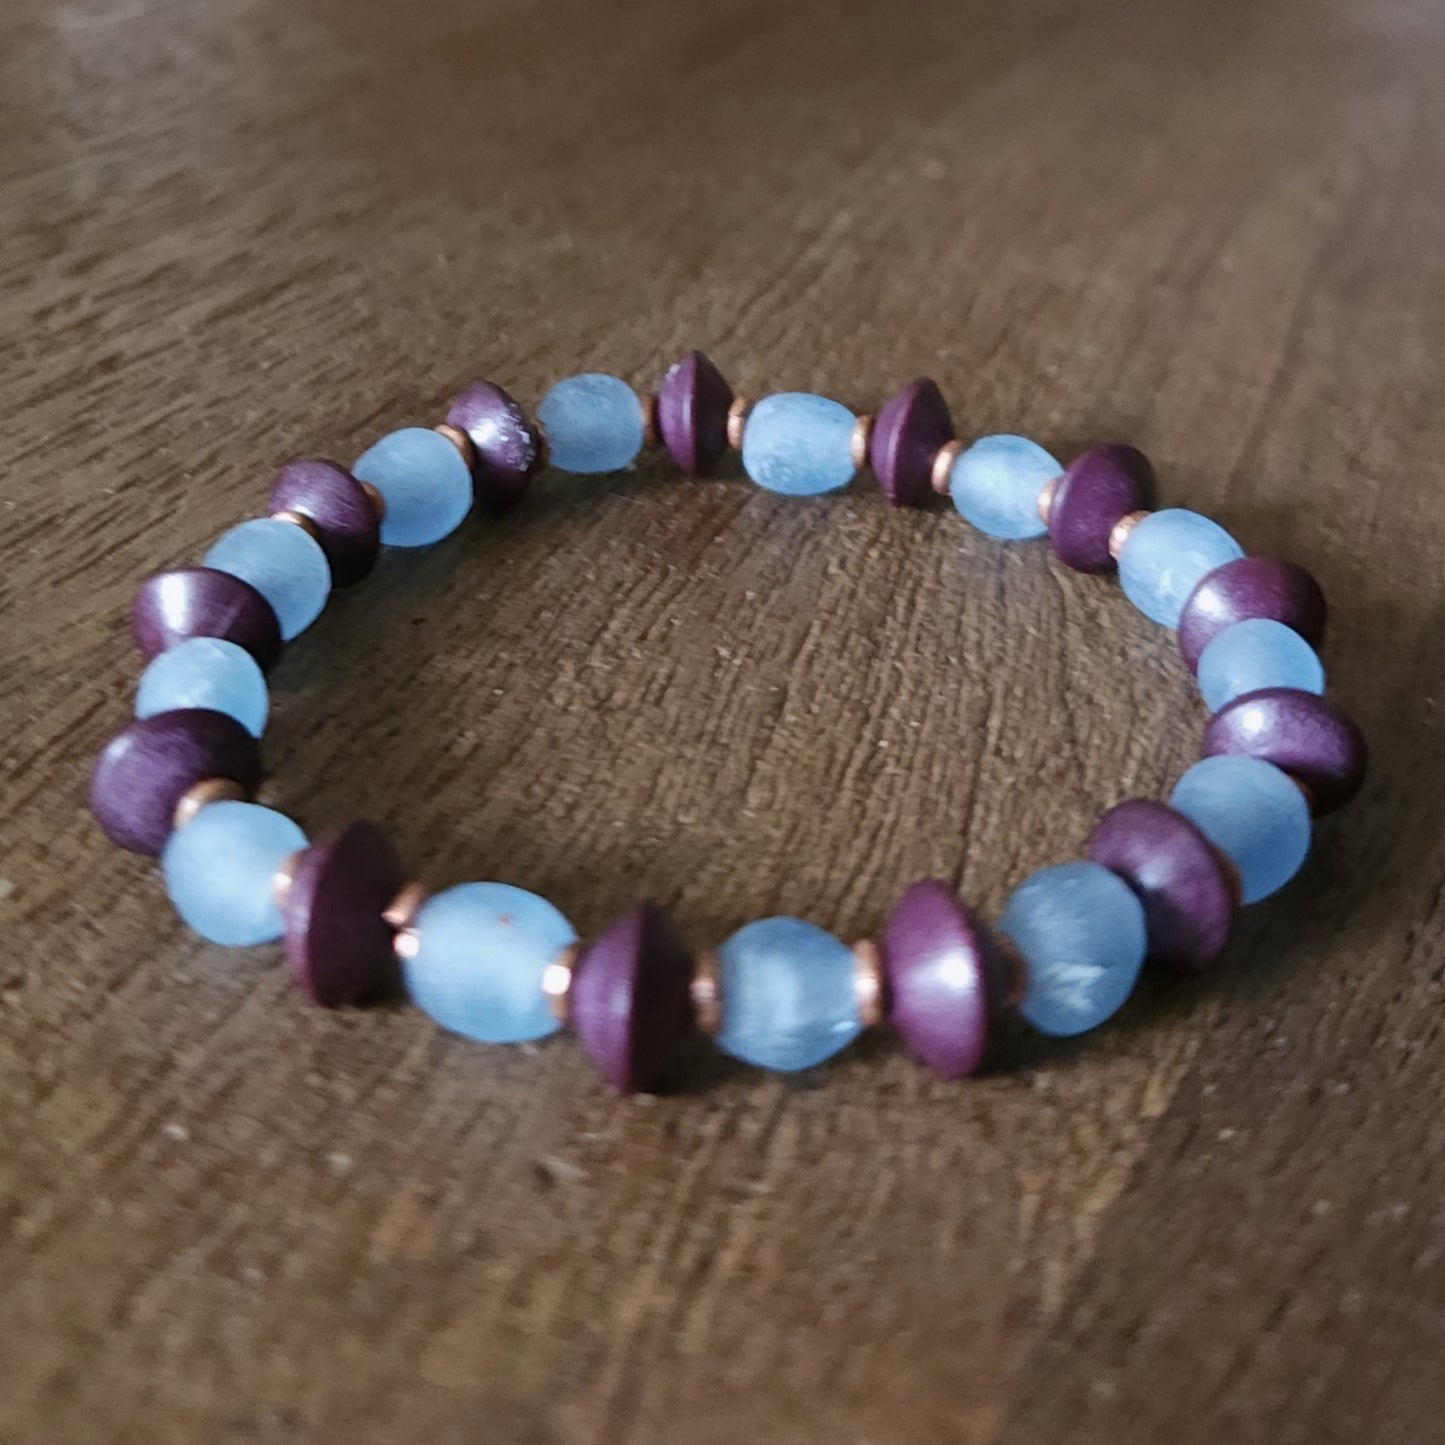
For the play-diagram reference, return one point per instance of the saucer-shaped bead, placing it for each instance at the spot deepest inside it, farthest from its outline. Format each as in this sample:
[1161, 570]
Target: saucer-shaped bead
[143, 772]
[995, 485]
[692, 413]
[1097, 489]
[1166, 555]
[1247, 588]
[347, 527]
[789, 999]
[283, 562]
[505, 442]
[593, 423]
[338, 946]
[1177, 874]
[907, 433]
[206, 672]
[187, 602]
[1305, 735]
[480, 952]
[798, 444]
[1255, 654]
[423, 481]
[945, 978]
[630, 999]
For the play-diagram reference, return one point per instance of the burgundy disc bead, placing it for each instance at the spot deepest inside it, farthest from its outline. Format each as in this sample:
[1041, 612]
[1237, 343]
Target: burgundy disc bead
[505, 442]
[1248, 588]
[347, 526]
[1305, 735]
[143, 772]
[190, 602]
[907, 433]
[945, 978]
[630, 999]
[1096, 490]
[692, 413]
[1187, 890]
[338, 945]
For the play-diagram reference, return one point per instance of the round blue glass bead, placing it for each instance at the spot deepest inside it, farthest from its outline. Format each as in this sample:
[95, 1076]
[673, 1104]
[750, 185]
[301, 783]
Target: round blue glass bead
[1255, 654]
[1253, 814]
[220, 871]
[799, 444]
[283, 562]
[481, 951]
[1166, 555]
[995, 485]
[593, 423]
[788, 994]
[206, 672]
[424, 481]
[1081, 931]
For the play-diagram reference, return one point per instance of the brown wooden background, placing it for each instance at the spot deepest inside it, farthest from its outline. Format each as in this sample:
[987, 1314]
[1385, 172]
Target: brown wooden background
[238, 229]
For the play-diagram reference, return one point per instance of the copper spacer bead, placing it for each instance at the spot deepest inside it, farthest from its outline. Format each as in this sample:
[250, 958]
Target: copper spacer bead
[401, 912]
[378, 502]
[868, 982]
[737, 421]
[544, 453]
[1121, 531]
[1231, 873]
[943, 462]
[1016, 970]
[1046, 500]
[208, 790]
[284, 877]
[858, 444]
[460, 440]
[297, 519]
[557, 982]
[706, 994]
[651, 436]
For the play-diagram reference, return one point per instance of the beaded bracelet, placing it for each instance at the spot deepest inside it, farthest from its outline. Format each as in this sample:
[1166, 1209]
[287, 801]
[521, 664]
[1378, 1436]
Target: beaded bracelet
[499, 964]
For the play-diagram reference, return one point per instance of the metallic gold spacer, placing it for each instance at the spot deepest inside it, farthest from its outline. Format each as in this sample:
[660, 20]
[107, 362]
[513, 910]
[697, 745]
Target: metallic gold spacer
[557, 982]
[737, 421]
[378, 502]
[401, 912]
[208, 790]
[1120, 535]
[868, 982]
[297, 519]
[943, 461]
[858, 443]
[1046, 499]
[706, 994]
[284, 877]
[460, 440]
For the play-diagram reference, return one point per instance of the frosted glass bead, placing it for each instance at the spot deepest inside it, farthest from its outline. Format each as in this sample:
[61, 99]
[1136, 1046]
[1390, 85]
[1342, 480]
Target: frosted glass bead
[424, 482]
[481, 951]
[788, 994]
[995, 485]
[1253, 814]
[1166, 555]
[283, 562]
[206, 672]
[1259, 653]
[1082, 934]
[593, 423]
[220, 871]
[798, 444]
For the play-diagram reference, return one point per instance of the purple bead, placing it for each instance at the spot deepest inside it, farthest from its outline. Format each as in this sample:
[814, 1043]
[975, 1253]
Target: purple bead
[945, 978]
[692, 413]
[1245, 589]
[203, 602]
[1096, 490]
[907, 433]
[339, 947]
[506, 443]
[1187, 889]
[347, 526]
[1303, 734]
[631, 999]
[143, 772]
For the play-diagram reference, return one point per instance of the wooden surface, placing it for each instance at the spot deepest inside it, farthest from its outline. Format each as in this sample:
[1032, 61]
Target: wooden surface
[241, 229]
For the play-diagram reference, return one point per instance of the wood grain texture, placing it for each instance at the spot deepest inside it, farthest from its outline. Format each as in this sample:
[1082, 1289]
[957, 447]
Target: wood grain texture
[244, 229]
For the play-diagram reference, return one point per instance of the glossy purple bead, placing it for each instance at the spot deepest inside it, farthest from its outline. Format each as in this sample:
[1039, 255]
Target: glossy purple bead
[692, 413]
[1187, 890]
[1246, 589]
[907, 433]
[191, 602]
[338, 946]
[347, 526]
[506, 443]
[144, 771]
[630, 1000]
[1301, 733]
[945, 978]
[1096, 490]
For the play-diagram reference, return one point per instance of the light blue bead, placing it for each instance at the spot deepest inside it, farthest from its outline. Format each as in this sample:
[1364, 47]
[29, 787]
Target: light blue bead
[1081, 932]
[789, 999]
[593, 423]
[1253, 814]
[481, 951]
[1165, 556]
[995, 484]
[1256, 653]
[206, 672]
[283, 562]
[799, 444]
[426, 485]
[220, 871]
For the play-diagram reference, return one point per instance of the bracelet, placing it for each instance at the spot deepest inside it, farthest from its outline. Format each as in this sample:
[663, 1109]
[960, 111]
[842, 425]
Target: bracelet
[499, 964]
